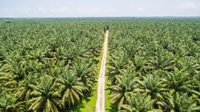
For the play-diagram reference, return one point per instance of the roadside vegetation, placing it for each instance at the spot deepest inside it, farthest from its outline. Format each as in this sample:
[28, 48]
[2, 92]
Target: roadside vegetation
[52, 65]
[154, 65]
[48, 65]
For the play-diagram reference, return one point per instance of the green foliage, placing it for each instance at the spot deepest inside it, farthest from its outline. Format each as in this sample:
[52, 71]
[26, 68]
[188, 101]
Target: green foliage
[155, 61]
[47, 64]
[50, 64]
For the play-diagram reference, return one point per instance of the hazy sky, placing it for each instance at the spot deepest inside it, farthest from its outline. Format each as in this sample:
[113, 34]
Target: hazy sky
[98, 8]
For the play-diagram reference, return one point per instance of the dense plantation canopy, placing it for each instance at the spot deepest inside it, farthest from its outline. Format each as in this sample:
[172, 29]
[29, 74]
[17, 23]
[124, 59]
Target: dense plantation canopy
[47, 64]
[50, 65]
[154, 65]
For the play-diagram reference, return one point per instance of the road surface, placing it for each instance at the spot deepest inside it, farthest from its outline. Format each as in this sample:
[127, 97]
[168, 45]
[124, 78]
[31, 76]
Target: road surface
[100, 103]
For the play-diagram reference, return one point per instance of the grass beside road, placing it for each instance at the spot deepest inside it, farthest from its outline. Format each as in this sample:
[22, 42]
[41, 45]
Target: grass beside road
[108, 100]
[89, 104]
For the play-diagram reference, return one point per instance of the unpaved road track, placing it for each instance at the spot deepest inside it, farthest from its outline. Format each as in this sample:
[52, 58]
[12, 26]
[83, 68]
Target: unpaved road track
[100, 103]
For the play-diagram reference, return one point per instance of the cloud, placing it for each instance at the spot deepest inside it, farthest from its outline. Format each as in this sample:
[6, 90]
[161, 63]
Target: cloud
[96, 11]
[88, 11]
[66, 11]
[140, 9]
[18, 10]
[61, 10]
[188, 5]
[54, 10]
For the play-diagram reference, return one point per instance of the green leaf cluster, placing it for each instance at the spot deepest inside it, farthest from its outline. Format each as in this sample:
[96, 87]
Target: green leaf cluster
[154, 64]
[47, 65]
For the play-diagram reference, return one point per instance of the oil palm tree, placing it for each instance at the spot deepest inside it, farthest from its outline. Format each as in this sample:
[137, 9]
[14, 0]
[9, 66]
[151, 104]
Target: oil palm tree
[37, 54]
[193, 49]
[138, 103]
[141, 65]
[7, 102]
[179, 80]
[12, 71]
[95, 47]
[44, 96]
[83, 68]
[25, 87]
[70, 54]
[121, 91]
[188, 64]
[34, 66]
[184, 103]
[14, 65]
[70, 87]
[154, 86]
[162, 60]
[2, 56]
[117, 62]
[131, 49]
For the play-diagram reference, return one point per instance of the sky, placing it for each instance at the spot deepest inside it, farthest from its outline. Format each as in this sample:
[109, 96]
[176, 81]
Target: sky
[98, 8]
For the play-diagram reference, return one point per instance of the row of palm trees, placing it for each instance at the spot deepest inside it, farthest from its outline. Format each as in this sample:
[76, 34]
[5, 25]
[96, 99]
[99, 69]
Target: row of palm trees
[154, 65]
[47, 65]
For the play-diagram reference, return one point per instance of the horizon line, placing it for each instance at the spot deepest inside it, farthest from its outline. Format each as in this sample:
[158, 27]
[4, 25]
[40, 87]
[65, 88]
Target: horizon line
[108, 17]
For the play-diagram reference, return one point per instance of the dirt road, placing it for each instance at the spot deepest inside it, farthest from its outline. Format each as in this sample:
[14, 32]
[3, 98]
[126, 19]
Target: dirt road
[100, 103]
